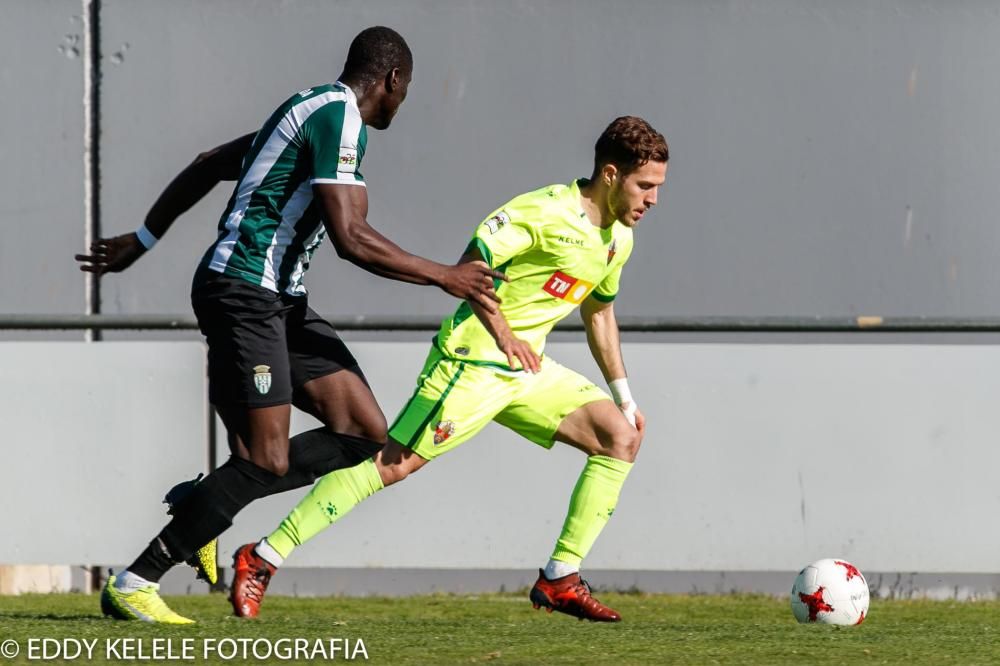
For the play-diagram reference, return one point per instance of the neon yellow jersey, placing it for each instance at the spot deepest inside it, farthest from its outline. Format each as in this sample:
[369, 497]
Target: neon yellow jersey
[555, 258]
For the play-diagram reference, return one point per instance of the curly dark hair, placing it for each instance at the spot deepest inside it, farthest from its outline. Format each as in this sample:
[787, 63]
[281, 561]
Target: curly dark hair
[628, 143]
[374, 53]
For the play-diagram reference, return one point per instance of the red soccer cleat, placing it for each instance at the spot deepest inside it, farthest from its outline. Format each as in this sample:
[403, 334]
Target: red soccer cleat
[251, 574]
[571, 595]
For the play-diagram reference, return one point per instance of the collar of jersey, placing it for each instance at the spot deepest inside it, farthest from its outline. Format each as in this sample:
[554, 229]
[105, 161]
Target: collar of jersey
[604, 234]
[351, 97]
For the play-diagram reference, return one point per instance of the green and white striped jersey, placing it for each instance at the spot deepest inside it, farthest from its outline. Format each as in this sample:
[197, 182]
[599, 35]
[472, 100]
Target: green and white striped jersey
[272, 225]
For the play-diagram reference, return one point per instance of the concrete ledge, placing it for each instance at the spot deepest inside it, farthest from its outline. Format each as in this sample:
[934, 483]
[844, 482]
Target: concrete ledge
[34, 578]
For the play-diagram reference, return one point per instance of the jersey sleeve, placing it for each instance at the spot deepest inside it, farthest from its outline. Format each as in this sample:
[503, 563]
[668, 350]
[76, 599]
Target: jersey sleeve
[503, 235]
[334, 139]
[607, 290]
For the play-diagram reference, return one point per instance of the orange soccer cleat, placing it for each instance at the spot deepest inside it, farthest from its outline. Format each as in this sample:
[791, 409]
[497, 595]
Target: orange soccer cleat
[251, 574]
[571, 595]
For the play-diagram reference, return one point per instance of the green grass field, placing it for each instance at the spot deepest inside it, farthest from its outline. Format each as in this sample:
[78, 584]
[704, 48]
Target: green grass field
[504, 629]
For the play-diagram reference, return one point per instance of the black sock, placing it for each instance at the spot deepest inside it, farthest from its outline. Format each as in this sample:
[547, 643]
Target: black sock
[318, 452]
[203, 515]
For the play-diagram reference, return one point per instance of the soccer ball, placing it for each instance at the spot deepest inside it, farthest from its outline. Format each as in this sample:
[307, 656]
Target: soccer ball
[830, 592]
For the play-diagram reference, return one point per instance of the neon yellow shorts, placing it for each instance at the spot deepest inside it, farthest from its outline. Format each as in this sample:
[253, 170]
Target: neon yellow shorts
[455, 399]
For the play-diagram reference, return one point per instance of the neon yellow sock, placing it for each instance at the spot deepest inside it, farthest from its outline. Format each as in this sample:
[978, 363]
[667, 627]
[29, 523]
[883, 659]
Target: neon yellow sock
[329, 500]
[591, 505]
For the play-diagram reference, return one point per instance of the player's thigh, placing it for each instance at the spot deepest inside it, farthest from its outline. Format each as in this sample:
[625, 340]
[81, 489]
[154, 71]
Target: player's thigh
[248, 368]
[551, 406]
[328, 382]
[453, 401]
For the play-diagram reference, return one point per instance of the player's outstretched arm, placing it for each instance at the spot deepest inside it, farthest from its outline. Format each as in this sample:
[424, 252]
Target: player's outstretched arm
[345, 209]
[113, 255]
[518, 351]
[605, 345]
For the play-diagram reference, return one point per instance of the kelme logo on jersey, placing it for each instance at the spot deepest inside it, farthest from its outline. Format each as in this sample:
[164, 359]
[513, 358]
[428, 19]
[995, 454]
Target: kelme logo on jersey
[497, 222]
[567, 287]
[348, 161]
[442, 431]
[262, 378]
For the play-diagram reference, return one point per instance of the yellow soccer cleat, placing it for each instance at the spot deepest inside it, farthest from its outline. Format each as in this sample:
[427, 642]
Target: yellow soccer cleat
[204, 559]
[204, 562]
[143, 604]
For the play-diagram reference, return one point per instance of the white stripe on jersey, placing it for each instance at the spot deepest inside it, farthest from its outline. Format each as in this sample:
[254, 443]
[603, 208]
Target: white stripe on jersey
[283, 133]
[290, 215]
[295, 287]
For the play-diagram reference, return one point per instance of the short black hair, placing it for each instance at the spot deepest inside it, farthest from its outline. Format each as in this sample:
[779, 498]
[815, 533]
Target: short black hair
[374, 53]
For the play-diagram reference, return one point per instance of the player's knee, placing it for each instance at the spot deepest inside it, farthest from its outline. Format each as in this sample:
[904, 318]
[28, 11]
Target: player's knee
[396, 462]
[274, 461]
[625, 444]
[374, 428]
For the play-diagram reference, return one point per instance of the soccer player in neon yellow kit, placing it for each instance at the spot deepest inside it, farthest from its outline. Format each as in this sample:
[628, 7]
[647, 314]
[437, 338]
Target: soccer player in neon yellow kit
[560, 246]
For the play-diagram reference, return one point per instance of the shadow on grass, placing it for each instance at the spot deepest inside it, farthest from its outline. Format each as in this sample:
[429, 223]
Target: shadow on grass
[53, 617]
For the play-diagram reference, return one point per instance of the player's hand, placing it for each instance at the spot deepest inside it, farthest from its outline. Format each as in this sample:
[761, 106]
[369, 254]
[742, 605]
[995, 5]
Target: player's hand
[473, 281]
[640, 422]
[111, 255]
[632, 414]
[517, 349]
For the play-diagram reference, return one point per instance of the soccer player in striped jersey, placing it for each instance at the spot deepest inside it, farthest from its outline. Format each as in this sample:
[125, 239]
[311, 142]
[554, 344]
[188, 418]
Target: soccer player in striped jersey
[298, 179]
[561, 247]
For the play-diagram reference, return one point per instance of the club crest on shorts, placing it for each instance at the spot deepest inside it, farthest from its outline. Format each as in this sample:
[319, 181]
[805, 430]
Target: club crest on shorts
[442, 431]
[262, 378]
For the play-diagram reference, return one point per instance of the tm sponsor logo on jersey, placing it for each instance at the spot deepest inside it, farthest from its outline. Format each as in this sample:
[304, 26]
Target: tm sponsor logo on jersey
[497, 222]
[567, 287]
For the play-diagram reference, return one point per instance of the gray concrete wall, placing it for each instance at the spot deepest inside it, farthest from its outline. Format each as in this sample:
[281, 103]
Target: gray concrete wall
[95, 435]
[828, 157]
[757, 458]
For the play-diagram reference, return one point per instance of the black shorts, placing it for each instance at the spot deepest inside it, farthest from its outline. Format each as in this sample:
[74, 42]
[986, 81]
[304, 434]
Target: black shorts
[262, 345]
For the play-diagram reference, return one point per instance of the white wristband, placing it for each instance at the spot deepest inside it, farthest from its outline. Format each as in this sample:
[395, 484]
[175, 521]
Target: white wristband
[620, 391]
[146, 237]
[621, 394]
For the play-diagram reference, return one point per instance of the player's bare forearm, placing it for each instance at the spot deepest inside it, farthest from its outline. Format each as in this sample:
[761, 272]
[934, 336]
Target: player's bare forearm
[195, 181]
[603, 337]
[115, 254]
[345, 209]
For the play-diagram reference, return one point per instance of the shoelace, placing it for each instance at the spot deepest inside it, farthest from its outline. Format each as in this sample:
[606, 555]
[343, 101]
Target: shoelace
[584, 595]
[258, 583]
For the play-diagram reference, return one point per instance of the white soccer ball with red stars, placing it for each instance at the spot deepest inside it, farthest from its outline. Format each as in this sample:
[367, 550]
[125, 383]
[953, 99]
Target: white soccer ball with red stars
[830, 591]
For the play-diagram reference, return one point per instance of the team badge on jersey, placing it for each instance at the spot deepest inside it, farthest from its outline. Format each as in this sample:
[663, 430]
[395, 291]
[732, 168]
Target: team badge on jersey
[497, 222]
[262, 378]
[612, 249]
[567, 287]
[442, 431]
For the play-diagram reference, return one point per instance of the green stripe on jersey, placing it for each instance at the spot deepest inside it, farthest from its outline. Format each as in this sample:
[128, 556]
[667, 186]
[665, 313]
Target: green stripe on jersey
[271, 226]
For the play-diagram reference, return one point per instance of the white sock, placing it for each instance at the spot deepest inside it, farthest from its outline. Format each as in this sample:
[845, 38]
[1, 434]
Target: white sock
[557, 569]
[127, 581]
[267, 553]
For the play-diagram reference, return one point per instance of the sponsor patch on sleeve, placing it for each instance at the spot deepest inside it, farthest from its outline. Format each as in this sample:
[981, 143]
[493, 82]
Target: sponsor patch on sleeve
[497, 222]
[348, 161]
